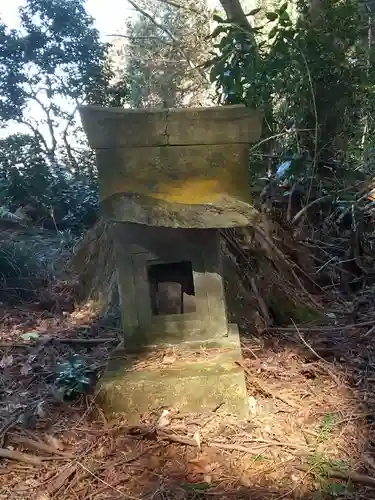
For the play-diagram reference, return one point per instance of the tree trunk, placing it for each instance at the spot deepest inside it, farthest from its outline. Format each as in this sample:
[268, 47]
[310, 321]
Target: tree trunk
[235, 13]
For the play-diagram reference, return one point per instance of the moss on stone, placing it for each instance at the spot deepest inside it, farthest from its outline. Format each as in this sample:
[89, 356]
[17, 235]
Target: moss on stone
[286, 310]
[185, 385]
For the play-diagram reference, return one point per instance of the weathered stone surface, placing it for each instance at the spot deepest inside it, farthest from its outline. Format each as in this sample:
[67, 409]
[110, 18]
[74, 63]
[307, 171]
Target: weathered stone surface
[188, 186]
[185, 174]
[174, 168]
[186, 385]
[115, 127]
[136, 248]
[226, 212]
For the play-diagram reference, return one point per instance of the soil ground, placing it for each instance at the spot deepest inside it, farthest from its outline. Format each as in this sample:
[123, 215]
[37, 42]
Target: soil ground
[309, 434]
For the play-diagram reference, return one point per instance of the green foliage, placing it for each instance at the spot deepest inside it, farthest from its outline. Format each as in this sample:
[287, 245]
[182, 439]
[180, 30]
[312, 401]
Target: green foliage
[296, 70]
[30, 336]
[333, 489]
[313, 75]
[196, 487]
[26, 177]
[22, 270]
[327, 426]
[73, 377]
[320, 467]
[56, 51]
[54, 62]
[18, 259]
[23, 169]
[11, 75]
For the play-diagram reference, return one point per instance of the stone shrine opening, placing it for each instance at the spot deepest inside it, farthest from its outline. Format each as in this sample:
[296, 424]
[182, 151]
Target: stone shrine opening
[172, 288]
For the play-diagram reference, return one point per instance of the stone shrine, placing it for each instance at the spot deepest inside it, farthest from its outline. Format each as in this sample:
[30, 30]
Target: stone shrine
[170, 180]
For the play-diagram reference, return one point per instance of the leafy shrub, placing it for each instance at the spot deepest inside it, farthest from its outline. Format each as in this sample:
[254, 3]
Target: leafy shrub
[294, 69]
[27, 178]
[22, 270]
[79, 205]
[18, 259]
[73, 377]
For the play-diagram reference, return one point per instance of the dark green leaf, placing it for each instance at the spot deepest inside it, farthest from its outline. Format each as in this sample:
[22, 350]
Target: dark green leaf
[218, 30]
[218, 19]
[217, 70]
[254, 12]
[284, 16]
[195, 486]
[271, 16]
[273, 32]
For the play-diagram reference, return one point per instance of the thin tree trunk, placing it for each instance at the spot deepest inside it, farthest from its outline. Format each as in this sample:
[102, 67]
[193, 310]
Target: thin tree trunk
[235, 13]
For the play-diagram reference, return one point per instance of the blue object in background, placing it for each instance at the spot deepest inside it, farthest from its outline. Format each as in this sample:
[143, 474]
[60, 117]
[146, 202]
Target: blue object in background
[283, 168]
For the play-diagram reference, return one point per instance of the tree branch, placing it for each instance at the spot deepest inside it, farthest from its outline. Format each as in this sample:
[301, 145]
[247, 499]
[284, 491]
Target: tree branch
[235, 13]
[38, 136]
[51, 151]
[179, 6]
[68, 147]
[135, 37]
[177, 43]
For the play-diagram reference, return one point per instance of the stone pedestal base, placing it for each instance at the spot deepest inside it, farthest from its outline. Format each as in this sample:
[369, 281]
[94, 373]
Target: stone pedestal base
[193, 378]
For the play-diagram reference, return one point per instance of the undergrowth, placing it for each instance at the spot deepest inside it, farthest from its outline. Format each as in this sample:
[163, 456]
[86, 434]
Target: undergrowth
[22, 270]
[29, 262]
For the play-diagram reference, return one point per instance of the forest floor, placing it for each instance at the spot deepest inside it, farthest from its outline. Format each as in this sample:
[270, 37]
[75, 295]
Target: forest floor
[309, 435]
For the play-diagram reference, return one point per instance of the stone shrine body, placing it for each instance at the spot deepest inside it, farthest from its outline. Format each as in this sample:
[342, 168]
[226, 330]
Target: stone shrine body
[169, 181]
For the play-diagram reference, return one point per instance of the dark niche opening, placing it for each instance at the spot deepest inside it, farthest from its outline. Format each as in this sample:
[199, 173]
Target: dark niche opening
[172, 288]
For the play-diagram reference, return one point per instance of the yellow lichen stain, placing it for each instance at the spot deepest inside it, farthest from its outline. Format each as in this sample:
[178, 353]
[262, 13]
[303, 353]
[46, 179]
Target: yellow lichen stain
[187, 192]
[191, 192]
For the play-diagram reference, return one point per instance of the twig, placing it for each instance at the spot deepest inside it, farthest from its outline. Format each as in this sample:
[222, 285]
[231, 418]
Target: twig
[131, 37]
[323, 328]
[171, 36]
[8, 425]
[266, 442]
[265, 390]
[132, 456]
[289, 263]
[20, 457]
[306, 344]
[68, 340]
[317, 200]
[372, 329]
[289, 211]
[179, 6]
[369, 461]
[107, 484]
[335, 378]
[346, 476]
[85, 341]
[316, 136]
[37, 446]
[309, 205]
[237, 447]
[102, 490]
[58, 481]
[178, 439]
[281, 134]
[262, 304]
